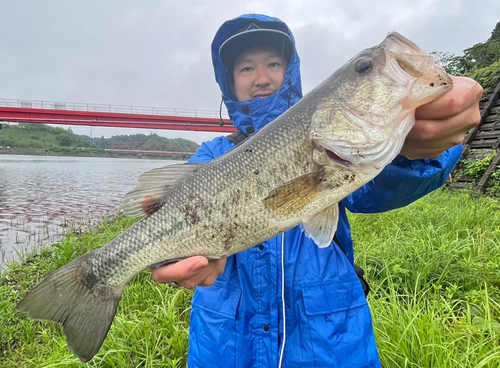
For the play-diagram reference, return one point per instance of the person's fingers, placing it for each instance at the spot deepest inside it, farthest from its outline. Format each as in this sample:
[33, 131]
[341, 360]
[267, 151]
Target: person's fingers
[179, 271]
[419, 149]
[206, 276]
[429, 131]
[218, 270]
[465, 94]
[430, 138]
[443, 124]
[149, 203]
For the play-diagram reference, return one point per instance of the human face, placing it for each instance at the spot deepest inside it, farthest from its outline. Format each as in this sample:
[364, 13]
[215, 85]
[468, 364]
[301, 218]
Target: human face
[257, 72]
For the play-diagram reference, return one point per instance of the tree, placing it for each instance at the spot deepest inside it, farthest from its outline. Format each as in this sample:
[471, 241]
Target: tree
[65, 140]
[103, 143]
[478, 56]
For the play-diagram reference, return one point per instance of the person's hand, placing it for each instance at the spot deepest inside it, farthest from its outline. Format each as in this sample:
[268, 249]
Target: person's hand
[190, 272]
[443, 123]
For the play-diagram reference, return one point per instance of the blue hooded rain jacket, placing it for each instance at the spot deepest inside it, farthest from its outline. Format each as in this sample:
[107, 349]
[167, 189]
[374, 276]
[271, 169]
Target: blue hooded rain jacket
[238, 321]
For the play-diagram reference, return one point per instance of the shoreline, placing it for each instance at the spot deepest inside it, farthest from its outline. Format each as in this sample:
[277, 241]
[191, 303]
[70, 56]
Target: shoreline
[64, 153]
[42, 152]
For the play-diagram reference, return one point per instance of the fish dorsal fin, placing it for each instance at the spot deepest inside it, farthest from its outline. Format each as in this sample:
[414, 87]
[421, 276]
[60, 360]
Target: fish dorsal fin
[148, 196]
[322, 226]
[293, 196]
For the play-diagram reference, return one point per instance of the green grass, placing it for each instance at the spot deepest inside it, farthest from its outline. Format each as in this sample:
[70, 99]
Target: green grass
[433, 267]
[149, 330]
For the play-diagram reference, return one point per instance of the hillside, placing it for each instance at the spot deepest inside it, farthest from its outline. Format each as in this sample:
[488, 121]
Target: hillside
[151, 142]
[41, 139]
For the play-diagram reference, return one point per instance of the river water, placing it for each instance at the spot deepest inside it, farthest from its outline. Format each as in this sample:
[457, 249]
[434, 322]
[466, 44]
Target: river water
[42, 196]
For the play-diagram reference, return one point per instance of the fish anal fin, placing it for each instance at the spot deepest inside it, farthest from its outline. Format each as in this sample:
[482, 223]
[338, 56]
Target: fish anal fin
[293, 196]
[322, 226]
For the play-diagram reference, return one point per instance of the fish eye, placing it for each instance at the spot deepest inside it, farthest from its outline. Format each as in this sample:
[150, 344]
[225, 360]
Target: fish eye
[363, 65]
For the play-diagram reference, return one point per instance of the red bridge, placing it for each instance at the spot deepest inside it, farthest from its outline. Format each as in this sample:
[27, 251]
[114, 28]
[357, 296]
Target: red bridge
[50, 112]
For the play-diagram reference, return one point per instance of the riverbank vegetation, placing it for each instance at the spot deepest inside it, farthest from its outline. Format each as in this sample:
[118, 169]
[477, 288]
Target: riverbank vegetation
[149, 142]
[433, 268]
[41, 139]
[480, 62]
[142, 142]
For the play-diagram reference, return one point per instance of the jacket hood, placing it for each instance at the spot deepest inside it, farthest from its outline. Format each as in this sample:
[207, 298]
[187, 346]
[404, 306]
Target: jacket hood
[249, 116]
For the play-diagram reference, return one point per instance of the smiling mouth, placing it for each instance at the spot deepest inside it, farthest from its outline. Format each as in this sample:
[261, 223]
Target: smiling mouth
[263, 95]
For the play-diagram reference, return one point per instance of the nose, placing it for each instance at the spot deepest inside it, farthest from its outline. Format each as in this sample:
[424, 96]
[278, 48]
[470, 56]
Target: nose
[262, 77]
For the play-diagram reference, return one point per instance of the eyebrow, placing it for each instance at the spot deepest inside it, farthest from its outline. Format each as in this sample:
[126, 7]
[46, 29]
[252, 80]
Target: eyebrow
[269, 56]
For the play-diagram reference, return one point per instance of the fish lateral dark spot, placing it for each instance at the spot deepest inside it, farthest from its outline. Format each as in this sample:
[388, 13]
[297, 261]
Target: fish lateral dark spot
[89, 279]
[256, 172]
[191, 209]
[230, 236]
[248, 150]
[86, 276]
[349, 178]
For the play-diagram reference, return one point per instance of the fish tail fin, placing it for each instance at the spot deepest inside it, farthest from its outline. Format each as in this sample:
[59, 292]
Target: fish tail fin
[71, 296]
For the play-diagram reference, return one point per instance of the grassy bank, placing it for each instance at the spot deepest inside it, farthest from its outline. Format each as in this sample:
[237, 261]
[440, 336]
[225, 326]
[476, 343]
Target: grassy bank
[433, 267]
[72, 152]
[150, 328]
[435, 270]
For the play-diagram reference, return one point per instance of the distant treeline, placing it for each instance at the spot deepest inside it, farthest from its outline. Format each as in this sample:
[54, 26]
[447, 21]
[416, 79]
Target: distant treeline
[151, 142]
[41, 136]
[482, 63]
[44, 139]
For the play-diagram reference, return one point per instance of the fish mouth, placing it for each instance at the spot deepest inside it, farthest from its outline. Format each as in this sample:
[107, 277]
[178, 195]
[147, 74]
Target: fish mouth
[399, 44]
[338, 152]
[337, 159]
[409, 66]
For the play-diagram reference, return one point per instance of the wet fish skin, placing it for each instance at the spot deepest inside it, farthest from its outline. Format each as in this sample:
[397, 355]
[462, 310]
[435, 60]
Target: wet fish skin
[295, 170]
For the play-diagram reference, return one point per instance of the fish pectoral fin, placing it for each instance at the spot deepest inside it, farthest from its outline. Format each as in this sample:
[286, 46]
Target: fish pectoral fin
[293, 196]
[147, 197]
[322, 226]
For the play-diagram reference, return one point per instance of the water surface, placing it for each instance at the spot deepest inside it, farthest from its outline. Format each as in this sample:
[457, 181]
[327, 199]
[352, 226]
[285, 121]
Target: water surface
[40, 196]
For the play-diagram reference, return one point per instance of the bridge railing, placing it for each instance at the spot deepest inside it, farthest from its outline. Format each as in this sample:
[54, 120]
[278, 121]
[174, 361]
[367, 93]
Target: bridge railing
[142, 110]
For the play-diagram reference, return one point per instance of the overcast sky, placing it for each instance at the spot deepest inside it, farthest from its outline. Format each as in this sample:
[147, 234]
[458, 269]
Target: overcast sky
[157, 52]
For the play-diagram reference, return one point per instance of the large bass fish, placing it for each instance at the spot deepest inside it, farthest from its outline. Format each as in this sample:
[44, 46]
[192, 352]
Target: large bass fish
[293, 171]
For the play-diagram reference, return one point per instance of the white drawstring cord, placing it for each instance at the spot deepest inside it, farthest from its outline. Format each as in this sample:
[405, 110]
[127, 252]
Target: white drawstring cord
[283, 296]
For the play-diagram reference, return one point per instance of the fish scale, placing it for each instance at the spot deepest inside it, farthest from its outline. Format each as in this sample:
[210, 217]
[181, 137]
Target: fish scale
[294, 170]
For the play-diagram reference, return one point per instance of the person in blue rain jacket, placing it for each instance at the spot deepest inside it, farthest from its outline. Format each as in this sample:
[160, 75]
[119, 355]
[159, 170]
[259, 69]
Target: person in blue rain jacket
[237, 318]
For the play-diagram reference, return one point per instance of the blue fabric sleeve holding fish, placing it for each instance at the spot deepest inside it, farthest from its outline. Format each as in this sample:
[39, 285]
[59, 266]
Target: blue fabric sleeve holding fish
[403, 182]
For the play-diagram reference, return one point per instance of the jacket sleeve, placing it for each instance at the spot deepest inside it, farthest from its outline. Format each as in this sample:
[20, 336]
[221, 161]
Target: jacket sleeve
[211, 150]
[403, 182]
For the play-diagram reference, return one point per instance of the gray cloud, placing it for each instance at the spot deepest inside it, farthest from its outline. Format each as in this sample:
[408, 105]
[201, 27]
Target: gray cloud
[157, 53]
